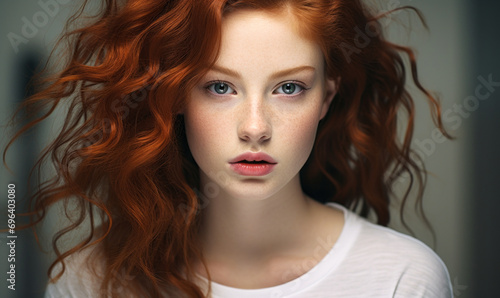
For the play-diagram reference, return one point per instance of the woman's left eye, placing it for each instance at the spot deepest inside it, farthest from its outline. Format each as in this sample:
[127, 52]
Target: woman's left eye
[290, 89]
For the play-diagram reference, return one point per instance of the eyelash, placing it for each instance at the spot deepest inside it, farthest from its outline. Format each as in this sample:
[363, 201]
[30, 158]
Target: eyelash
[299, 84]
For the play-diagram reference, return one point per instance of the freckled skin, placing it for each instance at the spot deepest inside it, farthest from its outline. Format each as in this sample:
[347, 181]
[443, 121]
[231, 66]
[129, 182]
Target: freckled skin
[252, 116]
[255, 228]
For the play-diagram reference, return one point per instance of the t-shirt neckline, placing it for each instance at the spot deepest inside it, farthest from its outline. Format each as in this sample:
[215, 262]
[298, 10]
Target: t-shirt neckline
[327, 264]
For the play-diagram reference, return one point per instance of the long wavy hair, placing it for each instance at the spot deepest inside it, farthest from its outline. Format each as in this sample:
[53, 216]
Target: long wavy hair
[122, 156]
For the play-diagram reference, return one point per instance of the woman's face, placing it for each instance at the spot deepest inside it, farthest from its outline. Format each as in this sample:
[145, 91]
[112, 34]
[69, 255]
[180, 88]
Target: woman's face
[266, 94]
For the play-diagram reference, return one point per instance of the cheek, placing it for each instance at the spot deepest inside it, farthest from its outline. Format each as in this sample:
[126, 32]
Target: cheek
[203, 131]
[300, 135]
[306, 133]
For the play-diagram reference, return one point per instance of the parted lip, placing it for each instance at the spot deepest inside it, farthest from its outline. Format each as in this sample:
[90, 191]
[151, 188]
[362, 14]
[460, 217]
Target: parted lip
[250, 156]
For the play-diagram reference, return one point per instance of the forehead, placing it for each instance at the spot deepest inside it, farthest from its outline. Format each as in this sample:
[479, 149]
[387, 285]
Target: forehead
[266, 39]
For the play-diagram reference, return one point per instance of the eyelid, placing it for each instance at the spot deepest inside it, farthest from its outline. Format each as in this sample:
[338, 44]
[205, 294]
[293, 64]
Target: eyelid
[298, 83]
[210, 83]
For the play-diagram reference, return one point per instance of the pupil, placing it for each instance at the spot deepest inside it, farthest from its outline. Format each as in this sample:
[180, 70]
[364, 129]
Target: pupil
[289, 88]
[221, 88]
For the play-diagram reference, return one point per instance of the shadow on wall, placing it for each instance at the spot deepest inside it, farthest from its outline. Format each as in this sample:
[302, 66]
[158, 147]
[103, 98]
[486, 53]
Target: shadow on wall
[486, 151]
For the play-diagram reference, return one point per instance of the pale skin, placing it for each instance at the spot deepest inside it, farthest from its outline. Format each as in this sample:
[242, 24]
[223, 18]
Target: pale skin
[266, 93]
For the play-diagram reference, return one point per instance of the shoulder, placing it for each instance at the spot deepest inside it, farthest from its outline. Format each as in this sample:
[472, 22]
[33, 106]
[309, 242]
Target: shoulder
[416, 270]
[80, 277]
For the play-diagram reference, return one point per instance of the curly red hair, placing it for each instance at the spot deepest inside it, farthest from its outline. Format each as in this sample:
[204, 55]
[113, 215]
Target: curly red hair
[122, 155]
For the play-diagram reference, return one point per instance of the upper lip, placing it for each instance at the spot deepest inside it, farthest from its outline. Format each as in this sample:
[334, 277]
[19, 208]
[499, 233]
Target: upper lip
[250, 156]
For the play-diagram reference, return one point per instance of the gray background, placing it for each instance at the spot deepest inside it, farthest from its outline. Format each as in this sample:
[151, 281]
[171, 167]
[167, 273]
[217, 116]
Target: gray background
[461, 199]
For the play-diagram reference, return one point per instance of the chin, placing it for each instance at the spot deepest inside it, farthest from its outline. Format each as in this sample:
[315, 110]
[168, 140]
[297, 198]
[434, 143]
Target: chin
[255, 190]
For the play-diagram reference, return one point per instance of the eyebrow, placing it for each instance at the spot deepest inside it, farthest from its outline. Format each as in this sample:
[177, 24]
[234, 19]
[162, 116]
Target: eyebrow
[275, 75]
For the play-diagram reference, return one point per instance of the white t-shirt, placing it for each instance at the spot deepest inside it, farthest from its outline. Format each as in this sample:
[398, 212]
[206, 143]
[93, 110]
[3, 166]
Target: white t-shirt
[367, 260]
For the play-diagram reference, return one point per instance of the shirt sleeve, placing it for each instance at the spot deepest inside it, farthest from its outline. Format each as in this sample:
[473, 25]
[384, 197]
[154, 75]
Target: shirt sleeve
[68, 286]
[425, 275]
[52, 291]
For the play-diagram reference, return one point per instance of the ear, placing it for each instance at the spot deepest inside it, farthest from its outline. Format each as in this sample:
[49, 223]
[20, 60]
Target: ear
[331, 88]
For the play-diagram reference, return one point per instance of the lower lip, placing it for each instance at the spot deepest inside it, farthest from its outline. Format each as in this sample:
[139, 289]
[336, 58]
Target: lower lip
[249, 169]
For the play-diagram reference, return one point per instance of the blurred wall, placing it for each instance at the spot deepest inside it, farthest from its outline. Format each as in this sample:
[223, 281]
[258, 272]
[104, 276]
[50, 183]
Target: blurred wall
[485, 143]
[460, 196]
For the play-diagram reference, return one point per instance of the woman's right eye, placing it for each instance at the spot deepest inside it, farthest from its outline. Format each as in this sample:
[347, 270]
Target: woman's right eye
[220, 88]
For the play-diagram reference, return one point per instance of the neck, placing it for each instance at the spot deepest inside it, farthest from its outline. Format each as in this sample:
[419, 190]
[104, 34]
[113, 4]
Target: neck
[253, 230]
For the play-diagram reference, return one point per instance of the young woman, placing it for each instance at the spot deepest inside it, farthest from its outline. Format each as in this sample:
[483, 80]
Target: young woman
[234, 148]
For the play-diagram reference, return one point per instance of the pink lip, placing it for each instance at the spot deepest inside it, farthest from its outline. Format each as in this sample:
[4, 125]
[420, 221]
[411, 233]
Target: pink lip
[249, 156]
[238, 165]
[252, 169]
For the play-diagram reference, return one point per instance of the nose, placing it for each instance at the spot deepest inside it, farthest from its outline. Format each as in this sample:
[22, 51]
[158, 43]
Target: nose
[254, 126]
